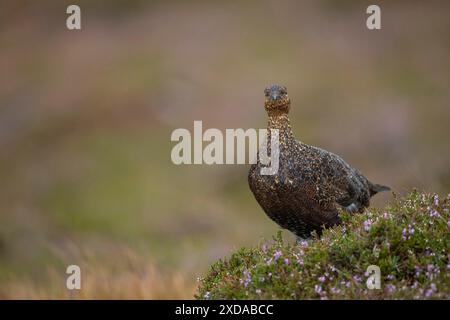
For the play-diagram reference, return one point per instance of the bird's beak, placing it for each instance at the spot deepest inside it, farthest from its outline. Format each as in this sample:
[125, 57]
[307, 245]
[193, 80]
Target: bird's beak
[274, 96]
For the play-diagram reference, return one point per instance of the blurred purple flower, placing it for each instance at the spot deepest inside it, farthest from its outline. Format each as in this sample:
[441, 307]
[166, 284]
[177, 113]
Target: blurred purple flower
[277, 255]
[436, 200]
[246, 279]
[318, 288]
[431, 290]
[390, 287]
[434, 214]
[387, 215]
[367, 224]
[335, 291]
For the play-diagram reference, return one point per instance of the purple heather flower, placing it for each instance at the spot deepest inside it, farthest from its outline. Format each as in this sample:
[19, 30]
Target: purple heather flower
[367, 224]
[247, 278]
[407, 233]
[304, 244]
[357, 278]
[390, 277]
[434, 214]
[286, 261]
[318, 288]
[321, 279]
[277, 255]
[335, 291]
[418, 270]
[431, 290]
[436, 200]
[390, 287]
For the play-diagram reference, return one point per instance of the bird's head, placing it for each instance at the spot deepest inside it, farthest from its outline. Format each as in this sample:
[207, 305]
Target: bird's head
[276, 99]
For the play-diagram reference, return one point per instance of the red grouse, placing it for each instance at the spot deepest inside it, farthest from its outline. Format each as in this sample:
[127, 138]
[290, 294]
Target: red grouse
[311, 183]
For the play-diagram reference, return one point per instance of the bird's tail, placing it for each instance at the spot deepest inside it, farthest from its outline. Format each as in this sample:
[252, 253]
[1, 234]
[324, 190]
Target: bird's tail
[375, 188]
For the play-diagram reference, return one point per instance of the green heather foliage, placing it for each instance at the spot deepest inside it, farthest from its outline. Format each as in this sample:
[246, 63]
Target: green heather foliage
[408, 240]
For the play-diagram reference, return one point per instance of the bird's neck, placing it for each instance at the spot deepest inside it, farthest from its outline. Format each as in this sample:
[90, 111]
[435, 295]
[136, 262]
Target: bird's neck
[280, 120]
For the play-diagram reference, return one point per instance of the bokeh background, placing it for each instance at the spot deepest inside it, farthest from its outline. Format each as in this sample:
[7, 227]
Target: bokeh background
[86, 117]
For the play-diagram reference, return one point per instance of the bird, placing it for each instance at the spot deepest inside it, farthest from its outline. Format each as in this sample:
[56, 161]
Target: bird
[312, 186]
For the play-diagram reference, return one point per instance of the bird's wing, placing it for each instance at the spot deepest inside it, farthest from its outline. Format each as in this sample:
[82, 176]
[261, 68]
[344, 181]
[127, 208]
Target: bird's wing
[348, 186]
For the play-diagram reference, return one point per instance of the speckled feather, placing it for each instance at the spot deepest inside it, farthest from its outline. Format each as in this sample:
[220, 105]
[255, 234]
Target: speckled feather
[311, 183]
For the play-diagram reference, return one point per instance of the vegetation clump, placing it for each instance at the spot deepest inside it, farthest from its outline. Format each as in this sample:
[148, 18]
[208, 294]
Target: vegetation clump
[408, 241]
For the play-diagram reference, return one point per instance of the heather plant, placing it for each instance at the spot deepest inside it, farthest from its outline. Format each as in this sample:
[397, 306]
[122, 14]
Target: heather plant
[408, 241]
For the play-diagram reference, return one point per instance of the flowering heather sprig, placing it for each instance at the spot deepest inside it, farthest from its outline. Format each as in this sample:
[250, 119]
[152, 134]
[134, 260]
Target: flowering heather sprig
[436, 200]
[433, 213]
[322, 293]
[390, 288]
[418, 270]
[318, 288]
[407, 233]
[298, 259]
[304, 244]
[432, 271]
[277, 255]
[246, 278]
[367, 224]
[387, 216]
[430, 291]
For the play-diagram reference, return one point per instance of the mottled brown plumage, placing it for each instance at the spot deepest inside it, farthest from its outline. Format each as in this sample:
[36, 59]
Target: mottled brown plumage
[311, 183]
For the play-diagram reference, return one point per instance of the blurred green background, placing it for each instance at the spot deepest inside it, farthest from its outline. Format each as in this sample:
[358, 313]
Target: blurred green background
[86, 117]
